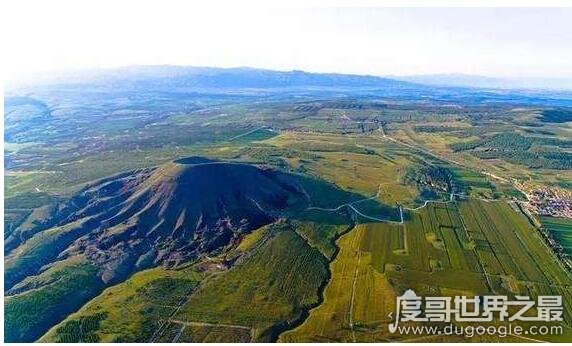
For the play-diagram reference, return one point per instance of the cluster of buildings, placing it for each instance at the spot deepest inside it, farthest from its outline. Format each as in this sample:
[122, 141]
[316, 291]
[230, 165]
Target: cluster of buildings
[551, 201]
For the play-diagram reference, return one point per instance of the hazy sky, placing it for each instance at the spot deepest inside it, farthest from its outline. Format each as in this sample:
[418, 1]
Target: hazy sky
[46, 35]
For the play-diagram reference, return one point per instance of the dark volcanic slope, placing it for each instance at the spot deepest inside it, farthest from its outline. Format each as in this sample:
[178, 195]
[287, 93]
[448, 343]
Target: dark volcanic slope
[162, 215]
[68, 253]
[120, 225]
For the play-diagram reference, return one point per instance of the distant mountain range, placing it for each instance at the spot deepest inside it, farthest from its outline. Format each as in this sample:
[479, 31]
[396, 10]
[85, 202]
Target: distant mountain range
[219, 78]
[246, 77]
[268, 84]
[475, 81]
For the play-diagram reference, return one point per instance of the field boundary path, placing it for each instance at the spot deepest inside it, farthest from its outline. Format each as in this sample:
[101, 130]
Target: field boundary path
[206, 324]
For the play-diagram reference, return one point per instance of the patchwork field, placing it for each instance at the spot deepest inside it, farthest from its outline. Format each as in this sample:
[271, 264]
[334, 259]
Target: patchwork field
[458, 248]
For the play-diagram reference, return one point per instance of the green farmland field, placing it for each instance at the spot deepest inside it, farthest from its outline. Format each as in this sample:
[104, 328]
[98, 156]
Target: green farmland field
[560, 229]
[279, 279]
[458, 248]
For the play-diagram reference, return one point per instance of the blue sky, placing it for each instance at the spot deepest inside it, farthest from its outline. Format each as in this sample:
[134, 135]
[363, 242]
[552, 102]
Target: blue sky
[507, 42]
